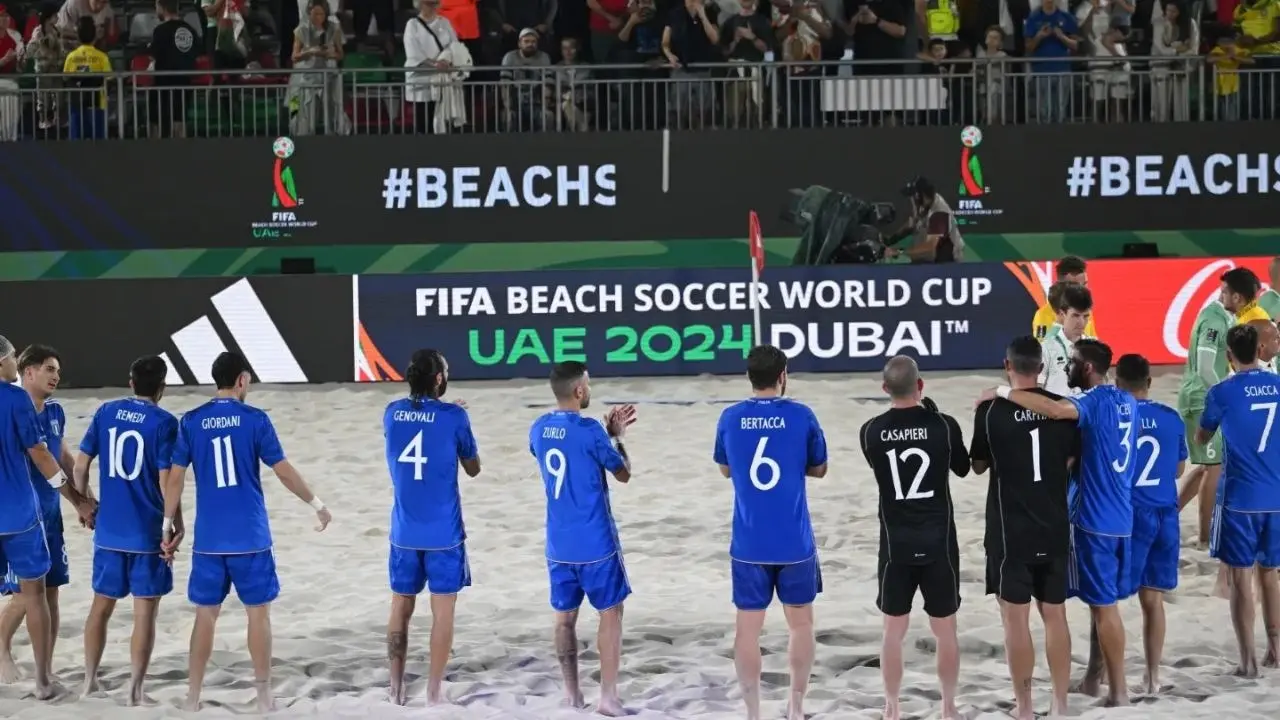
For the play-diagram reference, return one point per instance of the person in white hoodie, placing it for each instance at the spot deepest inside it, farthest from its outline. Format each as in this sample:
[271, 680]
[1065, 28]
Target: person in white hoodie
[1074, 310]
[427, 38]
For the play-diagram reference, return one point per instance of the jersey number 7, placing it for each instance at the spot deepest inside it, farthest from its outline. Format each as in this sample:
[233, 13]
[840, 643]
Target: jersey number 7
[1271, 417]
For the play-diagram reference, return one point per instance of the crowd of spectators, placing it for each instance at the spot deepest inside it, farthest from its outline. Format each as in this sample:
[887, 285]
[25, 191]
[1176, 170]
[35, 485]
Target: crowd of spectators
[457, 65]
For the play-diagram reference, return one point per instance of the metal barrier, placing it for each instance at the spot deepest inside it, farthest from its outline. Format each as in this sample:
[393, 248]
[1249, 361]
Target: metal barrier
[382, 100]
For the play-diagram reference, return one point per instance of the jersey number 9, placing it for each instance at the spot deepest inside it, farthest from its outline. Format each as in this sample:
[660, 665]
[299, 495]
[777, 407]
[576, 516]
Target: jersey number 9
[556, 466]
[913, 493]
[116, 454]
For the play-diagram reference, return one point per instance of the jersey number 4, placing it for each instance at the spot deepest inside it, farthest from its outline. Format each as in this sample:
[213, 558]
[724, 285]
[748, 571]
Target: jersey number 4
[116, 454]
[913, 493]
[412, 454]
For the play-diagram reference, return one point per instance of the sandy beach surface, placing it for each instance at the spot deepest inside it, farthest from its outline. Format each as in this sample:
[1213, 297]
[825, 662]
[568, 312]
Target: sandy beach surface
[674, 522]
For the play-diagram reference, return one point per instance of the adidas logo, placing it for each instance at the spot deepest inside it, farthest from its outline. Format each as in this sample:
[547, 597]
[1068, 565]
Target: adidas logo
[253, 332]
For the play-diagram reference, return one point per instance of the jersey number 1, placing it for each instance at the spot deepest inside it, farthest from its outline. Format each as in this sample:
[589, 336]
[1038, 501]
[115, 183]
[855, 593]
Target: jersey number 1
[115, 454]
[913, 493]
[224, 462]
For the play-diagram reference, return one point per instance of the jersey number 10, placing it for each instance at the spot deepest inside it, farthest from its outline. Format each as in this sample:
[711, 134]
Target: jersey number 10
[116, 454]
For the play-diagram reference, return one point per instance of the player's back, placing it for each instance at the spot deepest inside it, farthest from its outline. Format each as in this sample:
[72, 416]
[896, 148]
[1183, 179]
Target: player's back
[18, 503]
[1102, 496]
[1162, 444]
[912, 452]
[572, 453]
[224, 441]
[1245, 405]
[768, 444]
[1029, 457]
[133, 440]
[425, 440]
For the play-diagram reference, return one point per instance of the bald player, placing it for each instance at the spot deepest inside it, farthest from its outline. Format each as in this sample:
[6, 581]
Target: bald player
[1070, 269]
[1268, 341]
[1269, 301]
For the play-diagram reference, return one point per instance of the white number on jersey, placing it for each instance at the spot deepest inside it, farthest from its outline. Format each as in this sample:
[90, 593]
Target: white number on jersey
[760, 461]
[1271, 417]
[224, 462]
[914, 492]
[1035, 455]
[1145, 479]
[558, 469]
[116, 454]
[412, 453]
[1126, 442]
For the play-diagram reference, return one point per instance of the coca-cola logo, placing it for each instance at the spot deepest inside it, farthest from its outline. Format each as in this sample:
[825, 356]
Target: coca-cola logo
[1196, 293]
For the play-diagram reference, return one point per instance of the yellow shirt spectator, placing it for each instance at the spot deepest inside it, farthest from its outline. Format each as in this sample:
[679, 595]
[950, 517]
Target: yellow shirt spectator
[1257, 20]
[89, 59]
[1046, 318]
[1251, 312]
[1228, 62]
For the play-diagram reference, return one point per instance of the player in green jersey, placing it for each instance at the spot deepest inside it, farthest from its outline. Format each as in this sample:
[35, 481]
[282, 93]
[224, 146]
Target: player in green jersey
[1206, 365]
[1270, 300]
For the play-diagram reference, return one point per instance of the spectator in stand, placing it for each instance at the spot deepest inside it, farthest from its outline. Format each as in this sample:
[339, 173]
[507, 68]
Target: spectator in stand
[641, 34]
[426, 39]
[1226, 59]
[173, 49]
[937, 62]
[104, 19]
[11, 49]
[576, 97]
[211, 9]
[879, 31]
[993, 76]
[539, 15]
[525, 96]
[1258, 23]
[88, 67]
[1110, 72]
[314, 99]
[606, 21]
[802, 28]
[1051, 35]
[1172, 34]
[46, 51]
[745, 38]
[464, 17]
[640, 105]
[691, 38]
[382, 12]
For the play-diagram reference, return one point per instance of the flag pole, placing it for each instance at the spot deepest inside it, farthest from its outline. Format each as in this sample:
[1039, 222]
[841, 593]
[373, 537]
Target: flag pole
[757, 265]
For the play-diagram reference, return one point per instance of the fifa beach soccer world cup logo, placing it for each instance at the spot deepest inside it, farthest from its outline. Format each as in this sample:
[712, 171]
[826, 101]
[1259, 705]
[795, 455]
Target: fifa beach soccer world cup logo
[973, 192]
[284, 221]
[286, 192]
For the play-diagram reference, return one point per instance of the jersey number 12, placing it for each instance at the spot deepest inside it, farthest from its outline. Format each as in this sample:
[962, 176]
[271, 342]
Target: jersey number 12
[913, 493]
[116, 454]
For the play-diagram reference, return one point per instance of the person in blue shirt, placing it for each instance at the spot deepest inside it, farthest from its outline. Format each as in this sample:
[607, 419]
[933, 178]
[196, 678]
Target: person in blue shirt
[40, 367]
[225, 441]
[1052, 36]
[23, 546]
[584, 554]
[1161, 456]
[768, 445]
[1101, 502]
[426, 439]
[1246, 522]
[135, 439]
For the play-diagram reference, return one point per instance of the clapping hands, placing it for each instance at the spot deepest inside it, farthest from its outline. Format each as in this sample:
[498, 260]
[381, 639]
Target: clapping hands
[618, 419]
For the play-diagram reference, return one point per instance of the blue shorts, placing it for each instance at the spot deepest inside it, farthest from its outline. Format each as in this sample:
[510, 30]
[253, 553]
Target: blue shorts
[603, 582]
[252, 574]
[25, 556]
[1154, 547]
[1098, 570]
[443, 572]
[754, 585]
[118, 574]
[1245, 539]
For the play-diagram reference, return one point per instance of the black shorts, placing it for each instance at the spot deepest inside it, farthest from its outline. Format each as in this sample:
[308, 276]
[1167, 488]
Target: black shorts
[1017, 581]
[937, 581]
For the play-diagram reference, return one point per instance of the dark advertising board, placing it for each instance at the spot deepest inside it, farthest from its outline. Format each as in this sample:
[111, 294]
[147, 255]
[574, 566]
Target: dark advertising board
[291, 329]
[686, 322]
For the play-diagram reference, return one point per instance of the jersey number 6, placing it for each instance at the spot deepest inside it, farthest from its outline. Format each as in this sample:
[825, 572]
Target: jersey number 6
[760, 461]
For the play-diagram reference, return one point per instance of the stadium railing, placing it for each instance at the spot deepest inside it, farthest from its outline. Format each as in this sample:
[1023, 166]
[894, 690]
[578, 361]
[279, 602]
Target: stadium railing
[371, 100]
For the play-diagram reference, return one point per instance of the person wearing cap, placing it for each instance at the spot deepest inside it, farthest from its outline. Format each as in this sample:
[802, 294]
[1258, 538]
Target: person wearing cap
[931, 224]
[528, 69]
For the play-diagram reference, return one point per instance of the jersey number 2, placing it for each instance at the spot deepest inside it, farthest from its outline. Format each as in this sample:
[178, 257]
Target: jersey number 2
[115, 454]
[913, 493]
[224, 462]
[412, 453]
[1145, 479]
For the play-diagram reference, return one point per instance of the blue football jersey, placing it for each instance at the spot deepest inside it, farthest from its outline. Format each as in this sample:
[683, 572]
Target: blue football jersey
[223, 442]
[573, 453]
[1102, 488]
[19, 505]
[1162, 444]
[1244, 405]
[768, 443]
[133, 441]
[425, 441]
[53, 425]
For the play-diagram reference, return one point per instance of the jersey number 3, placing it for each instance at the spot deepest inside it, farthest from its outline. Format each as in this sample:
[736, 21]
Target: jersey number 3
[913, 493]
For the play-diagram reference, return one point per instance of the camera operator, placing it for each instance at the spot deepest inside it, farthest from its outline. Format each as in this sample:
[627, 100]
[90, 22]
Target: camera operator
[931, 225]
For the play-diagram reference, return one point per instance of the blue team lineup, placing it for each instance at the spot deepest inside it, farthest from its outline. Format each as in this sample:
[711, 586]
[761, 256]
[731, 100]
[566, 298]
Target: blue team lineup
[1083, 502]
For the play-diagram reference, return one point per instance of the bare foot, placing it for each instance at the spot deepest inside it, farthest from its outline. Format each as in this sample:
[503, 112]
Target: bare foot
[9, 672]
[50, 691]
[574, 702]
[91, 688]
[892, 711]
[266, 703]
[1250, 671]
[1116, 701]
[435, 697]
[1058, 710]
[1271, 661]
[1090, 686]
[137, 698]
[950, 713]
[1221, 587]
[399, 695]
[610, 707]
[795, 712]
[192, 703]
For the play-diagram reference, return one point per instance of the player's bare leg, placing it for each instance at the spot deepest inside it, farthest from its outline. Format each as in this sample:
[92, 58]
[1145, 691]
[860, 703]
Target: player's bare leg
[260, 654]
[1020, 652]
[1269, 588]
[609, 642]
[800, 652]
[944, 632]
[442, 609]
[1242, 617]
[141, 645]
[55, 621]
[747, 660]
[566, 631]
[37, 606]
[402, 607]
[1091, 683]
[199, 652]
[1110, 629]
[1057, 653]
[1189, 486]
[1152, 602]
[95, 640]
[10, 620]
[895, 631]
[1208, 498]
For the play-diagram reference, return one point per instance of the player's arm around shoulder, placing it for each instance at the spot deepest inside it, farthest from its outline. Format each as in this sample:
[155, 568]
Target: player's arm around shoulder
[959, 460]
[980, 449]
[1060, 409]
